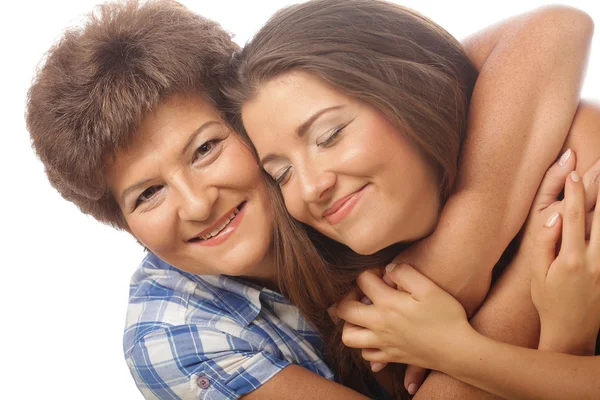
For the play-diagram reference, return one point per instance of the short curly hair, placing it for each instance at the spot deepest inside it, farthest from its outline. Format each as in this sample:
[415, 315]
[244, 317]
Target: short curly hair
[100, 80]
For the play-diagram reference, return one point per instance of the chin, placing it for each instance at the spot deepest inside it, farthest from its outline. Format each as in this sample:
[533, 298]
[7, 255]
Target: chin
[245, 260]
[365, 247]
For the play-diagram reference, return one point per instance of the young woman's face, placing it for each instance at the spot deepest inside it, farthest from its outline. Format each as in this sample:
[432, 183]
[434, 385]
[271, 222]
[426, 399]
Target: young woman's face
[192, 192]
[342, 167]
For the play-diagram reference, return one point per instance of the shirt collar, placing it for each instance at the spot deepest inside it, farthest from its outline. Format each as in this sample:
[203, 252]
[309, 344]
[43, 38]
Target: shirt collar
[241, 298]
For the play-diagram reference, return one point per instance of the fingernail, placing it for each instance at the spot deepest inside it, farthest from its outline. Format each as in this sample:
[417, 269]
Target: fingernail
[390, 267]
[412, 388]
[564, 158]
[376, 367]
[575, 176]
[552, 220]
[366, 300]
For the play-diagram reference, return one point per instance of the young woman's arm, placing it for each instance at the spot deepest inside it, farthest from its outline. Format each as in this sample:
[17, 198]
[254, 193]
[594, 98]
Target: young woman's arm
[508, 314]
[426, 326]
[519, 373]
[524, 101]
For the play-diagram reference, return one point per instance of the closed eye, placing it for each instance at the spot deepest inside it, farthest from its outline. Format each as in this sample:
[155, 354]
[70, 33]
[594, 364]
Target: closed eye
[329, 138]
[281, 176]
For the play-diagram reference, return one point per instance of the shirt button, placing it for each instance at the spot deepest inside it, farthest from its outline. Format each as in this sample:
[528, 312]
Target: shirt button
[203, 382]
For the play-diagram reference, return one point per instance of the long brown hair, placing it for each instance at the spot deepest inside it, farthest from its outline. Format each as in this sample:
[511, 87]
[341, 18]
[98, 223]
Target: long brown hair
[385, 55]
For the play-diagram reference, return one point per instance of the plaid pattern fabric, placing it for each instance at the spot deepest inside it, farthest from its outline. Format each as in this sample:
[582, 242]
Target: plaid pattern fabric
[211, 336]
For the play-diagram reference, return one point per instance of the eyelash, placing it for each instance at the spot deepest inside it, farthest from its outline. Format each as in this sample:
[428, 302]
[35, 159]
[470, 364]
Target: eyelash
[139, 200]
[213, 142]
[280, 177]
[333, 136]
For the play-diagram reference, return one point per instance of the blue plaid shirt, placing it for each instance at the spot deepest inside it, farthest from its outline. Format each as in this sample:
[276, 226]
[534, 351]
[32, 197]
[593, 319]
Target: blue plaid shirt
[211, 336]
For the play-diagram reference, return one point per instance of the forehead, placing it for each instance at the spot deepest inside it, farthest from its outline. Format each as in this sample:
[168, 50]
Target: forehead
[174, 118]
[289, 98]
[162, 134]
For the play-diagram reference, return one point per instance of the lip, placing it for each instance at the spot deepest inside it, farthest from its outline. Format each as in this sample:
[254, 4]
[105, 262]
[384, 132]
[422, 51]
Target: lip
[342, 207]
[226, 232]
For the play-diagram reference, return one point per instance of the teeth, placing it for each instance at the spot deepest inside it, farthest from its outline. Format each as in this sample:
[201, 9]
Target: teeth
[220, 228]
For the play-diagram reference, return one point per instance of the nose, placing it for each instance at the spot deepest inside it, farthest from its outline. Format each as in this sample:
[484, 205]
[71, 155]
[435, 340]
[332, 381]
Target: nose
[316, 183]
[195, 200]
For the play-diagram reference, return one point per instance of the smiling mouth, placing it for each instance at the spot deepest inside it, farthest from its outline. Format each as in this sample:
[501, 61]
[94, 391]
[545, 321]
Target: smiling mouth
[216, 231]
[342, 207]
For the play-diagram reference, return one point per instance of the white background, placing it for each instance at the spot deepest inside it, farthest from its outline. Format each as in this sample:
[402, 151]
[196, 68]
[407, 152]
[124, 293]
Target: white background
[64, 277]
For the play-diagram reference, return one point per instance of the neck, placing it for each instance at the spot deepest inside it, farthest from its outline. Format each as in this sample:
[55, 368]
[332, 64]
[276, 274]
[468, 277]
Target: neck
[265, 273]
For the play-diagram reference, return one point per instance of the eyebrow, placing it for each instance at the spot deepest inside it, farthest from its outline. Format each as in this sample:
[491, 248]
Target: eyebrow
[133, 188]
[189, 142]
[195, 134]
[303, 128]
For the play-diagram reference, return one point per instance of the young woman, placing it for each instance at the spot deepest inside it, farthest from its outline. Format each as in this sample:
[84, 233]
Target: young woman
[358, 109]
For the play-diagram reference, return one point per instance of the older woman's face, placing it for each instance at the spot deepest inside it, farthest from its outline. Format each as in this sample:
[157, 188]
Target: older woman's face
[342, 167]
[192, 192]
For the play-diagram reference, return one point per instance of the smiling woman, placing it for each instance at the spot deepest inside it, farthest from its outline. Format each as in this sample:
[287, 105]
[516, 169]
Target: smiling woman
[191, 191]
[342, 182]
[358, 111]
[124, 115]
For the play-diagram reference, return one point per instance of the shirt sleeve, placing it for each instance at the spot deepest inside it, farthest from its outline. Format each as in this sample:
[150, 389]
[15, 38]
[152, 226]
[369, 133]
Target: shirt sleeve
[185, 362]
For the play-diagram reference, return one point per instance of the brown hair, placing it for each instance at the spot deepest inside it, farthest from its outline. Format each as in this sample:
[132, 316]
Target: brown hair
[390, 57]
[99, 81]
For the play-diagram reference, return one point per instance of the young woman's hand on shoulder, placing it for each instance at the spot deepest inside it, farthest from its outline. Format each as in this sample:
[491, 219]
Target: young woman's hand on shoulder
[566, 288]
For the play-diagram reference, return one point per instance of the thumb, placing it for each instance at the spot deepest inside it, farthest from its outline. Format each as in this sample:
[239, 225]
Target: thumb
[409, 279]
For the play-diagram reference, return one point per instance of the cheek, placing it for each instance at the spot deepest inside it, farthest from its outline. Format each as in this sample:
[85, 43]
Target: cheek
[236, 167]
[295, 205]
[155, 229]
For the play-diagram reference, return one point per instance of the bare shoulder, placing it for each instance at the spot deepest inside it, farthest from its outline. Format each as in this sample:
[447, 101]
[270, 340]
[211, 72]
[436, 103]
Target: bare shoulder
[584, 135]
[297, 383]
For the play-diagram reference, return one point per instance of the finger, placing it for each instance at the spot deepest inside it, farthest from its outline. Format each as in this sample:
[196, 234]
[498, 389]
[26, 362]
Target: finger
[411, 280]
[357, 337]
[355, 312]
[375, 288]
[414, 378]
[554, 181]
[544, 251]
[389, 282]
[377, 366]
[591, 182]
[573, 230]
[589, 223]
[595, 230]
[374, 355]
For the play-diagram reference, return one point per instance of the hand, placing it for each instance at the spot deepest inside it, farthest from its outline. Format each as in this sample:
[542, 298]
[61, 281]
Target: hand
[415, 324]
[546, 202]
[566, 288]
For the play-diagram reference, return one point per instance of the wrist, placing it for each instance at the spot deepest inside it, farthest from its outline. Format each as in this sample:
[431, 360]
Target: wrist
[581, 344]
[459, 352]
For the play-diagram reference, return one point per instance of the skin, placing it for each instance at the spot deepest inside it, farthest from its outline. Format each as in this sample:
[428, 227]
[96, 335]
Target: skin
[508, 314]
[487, 199]
[565, 290]
[179, 199]
[190, 179]
[336, 157]
[186, 192]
